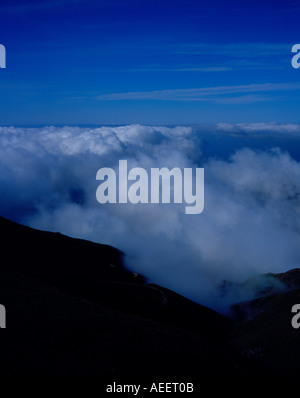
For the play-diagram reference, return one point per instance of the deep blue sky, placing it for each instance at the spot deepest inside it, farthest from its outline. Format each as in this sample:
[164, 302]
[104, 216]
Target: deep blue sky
[148, 61]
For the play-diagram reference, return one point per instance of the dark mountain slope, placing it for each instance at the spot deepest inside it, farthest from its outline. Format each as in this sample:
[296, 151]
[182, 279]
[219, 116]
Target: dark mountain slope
[73, 310]
[52, 334]
[264, 331]
[94, 271]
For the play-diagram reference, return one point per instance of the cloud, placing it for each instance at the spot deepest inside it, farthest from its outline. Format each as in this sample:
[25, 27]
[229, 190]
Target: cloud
[181, 69]
[239, 56]
[35, 5]
[237, 50]
[261, 128]
[31, 6]
[218, 93]
[250, 222]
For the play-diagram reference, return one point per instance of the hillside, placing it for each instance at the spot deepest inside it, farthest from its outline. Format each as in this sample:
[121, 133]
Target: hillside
[73, 310]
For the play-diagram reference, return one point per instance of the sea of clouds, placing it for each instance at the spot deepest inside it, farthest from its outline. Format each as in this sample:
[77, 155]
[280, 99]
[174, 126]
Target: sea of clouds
[250, 223]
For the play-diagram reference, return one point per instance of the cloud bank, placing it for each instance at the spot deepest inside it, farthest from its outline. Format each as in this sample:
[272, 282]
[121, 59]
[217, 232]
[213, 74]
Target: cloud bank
[250, 222]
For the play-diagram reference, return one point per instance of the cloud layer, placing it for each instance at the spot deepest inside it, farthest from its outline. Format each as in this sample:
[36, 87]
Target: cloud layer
[250, 222]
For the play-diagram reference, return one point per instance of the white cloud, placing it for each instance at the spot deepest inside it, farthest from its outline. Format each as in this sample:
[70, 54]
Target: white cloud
[250, 223]
[259, 128]
[218, 93]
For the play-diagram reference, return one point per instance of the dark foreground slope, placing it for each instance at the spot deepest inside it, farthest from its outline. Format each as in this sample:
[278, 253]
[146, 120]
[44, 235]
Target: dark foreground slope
[264, 331]
[73, 310]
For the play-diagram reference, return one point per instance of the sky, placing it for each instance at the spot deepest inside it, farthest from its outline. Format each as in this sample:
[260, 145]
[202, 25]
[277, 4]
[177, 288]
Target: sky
[75, 62]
